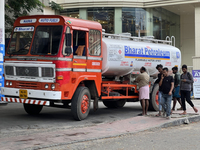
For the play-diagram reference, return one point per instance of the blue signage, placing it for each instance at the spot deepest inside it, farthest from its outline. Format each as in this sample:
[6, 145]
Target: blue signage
[2, 52]
[196, 73]
[49, 20]
[196, 84]
[20, 29]
[146, 53]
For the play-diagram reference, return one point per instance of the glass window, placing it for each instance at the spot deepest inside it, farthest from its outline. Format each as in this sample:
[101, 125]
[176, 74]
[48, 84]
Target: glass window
[164, 22]
[157, 22]
[46, 40]
[94, 42]
[103, 15]
[21, 40]
[79, 40]
[74, 13]
[134, 19]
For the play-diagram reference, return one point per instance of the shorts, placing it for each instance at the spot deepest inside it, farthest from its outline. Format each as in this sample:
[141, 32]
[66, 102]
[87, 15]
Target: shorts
[176, 92]
[144, 92]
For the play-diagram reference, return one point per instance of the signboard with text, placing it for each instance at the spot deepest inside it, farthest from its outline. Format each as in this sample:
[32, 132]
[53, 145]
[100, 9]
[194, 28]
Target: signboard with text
[196, 85]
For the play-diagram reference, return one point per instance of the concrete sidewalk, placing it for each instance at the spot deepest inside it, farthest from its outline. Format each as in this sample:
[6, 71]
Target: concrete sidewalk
[43, 139]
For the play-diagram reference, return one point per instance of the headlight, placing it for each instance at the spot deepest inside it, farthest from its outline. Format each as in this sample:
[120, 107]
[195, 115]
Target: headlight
[10, 83]
[46, 86]
[7, 83]
[53, 86]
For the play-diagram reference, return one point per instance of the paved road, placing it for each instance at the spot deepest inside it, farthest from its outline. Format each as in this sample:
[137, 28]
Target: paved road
[55, 126]
[14, 117]
[183, 137]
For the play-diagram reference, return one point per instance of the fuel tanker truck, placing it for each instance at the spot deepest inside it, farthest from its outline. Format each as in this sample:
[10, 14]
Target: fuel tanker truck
[63, 62]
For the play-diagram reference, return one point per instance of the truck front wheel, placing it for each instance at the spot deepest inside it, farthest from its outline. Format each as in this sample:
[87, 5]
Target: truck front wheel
[153, 102]
[80, 106]
[33, 109]
[115, 104]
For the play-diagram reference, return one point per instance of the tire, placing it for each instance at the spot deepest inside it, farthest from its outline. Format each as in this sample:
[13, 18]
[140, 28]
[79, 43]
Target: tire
[153, 102]
[115, 104]
[80, 106]
[33, 109]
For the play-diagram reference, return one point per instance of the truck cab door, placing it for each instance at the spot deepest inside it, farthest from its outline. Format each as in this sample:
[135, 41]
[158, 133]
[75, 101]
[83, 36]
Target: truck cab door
[79, 51]
[94, 59]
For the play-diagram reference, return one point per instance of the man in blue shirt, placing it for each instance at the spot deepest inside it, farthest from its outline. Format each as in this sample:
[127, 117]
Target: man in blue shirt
[176, 95]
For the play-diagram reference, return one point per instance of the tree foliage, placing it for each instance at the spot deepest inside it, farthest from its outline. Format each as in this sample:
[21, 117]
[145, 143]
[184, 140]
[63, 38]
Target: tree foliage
[55, 6]
[17, 8]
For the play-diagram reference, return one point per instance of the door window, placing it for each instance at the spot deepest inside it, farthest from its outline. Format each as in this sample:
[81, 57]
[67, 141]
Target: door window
[79, 43]
[95, 42]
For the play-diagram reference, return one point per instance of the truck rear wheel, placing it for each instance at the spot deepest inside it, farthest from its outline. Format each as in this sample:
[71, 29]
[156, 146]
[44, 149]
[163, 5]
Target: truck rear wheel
[153, 102]
[115, 104]
[33, 109]
[80, 106]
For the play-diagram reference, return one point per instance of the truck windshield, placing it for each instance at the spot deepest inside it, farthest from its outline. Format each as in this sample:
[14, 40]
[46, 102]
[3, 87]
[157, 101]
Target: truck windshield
[21, 40]
[46, 40]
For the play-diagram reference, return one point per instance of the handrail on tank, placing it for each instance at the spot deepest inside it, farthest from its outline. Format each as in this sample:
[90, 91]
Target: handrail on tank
[114, 36]
[168, 38]
[173, 39]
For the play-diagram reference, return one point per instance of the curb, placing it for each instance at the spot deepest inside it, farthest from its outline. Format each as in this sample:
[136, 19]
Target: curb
[185, 120]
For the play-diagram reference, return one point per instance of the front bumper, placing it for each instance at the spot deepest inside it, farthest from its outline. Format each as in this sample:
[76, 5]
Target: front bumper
[26, 101]
[36, 94]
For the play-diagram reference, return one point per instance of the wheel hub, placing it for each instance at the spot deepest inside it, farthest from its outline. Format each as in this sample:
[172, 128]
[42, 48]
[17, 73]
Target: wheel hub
[84, 104]
[157, 98]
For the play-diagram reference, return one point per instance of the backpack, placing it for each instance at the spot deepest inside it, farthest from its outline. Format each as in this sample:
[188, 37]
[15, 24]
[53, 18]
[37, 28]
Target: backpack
[189, 77]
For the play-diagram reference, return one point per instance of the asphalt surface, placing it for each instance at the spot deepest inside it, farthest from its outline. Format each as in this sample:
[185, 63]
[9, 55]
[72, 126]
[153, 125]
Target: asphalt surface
[13, 116]
[183, 137]
[54, 128]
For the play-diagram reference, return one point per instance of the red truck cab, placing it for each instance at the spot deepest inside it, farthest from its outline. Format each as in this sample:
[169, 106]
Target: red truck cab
[48, 60]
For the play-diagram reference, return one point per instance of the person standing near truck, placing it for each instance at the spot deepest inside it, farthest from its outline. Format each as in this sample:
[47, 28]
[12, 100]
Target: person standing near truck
[143, 83]
[176, 95]
[185, 89]
[167, 85]
[159, 68]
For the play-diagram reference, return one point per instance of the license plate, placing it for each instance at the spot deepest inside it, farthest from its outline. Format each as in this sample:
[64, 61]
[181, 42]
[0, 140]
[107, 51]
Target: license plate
[23, 94]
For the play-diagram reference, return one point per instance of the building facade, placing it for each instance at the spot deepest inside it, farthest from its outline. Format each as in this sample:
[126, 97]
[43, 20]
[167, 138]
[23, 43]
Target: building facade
[158, 18]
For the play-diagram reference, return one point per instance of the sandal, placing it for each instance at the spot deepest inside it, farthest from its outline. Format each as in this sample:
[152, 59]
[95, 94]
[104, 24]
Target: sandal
[183, 113]
[158, 115]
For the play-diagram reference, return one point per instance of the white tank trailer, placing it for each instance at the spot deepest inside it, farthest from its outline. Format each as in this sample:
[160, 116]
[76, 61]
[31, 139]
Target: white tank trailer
[123, 56]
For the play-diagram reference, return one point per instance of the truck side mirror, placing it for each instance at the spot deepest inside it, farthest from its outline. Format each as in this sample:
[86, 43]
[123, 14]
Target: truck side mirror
[68, 48]
[68, 39]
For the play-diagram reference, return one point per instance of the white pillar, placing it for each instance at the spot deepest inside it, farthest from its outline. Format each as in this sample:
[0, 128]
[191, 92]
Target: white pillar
[196, 60]
[83, 13]
[2, 29]
[118, 20]
[2, 41]
[149, 22]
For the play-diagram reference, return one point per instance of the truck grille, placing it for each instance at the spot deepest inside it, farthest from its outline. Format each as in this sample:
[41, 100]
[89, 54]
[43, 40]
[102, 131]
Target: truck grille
[28, 85]
[9, 70]
[47, 72]
[27, 71]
